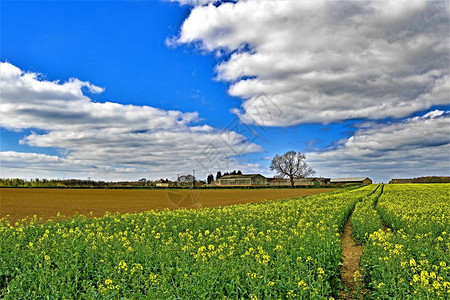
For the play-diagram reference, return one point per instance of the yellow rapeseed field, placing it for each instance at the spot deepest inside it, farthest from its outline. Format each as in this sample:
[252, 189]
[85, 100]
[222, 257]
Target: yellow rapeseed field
[268, 250]
[410, 259]
[280, 249]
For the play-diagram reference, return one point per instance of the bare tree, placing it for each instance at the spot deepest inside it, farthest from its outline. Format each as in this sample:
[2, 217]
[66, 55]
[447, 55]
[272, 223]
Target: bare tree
[186, 178]
[291, 164]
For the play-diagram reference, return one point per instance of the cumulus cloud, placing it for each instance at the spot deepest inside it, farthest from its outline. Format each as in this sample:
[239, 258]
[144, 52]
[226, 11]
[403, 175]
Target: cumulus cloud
[194, 2]
[107, 140]
[326, 61]
[415, 147]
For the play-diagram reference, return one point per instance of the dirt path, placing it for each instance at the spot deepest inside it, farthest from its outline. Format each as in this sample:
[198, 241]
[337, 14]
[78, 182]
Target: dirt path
[353, 289]
[352, 253]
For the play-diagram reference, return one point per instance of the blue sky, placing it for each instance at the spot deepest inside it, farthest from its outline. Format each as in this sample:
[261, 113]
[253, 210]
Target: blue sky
[191, 59]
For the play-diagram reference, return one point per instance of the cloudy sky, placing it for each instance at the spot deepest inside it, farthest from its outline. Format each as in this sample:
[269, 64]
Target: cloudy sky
[123, 90]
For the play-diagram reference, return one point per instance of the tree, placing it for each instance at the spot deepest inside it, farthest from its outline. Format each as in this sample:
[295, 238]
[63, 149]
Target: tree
[186, 178]
[292, 165]
[210, 179]
[218, 175]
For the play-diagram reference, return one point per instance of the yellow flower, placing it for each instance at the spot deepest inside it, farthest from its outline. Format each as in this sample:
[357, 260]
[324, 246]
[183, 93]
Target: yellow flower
[154, 278]
[301, 283]
[290, 294]
[436, 285]
[357, 275]
[122, 266]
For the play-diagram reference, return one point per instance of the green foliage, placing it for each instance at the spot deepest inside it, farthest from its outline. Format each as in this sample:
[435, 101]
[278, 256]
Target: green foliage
[77, 183]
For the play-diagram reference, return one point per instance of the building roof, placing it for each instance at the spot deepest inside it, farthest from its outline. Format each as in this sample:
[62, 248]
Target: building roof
[297, 179]
[349, 179]
[241, 176]
[162, 181]
[277, 179]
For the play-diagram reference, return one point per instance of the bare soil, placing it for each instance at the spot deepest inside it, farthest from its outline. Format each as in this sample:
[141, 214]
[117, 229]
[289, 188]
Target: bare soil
[46, 203]
[352, 254]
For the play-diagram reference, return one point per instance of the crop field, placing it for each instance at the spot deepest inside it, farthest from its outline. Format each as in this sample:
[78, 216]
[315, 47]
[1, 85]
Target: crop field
[268, 250]
[410, 257]
[46, 203]
[271, 249]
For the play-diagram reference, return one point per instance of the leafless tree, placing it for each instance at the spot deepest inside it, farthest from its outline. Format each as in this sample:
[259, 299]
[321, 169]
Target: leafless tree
[186, 178]
[292, 165]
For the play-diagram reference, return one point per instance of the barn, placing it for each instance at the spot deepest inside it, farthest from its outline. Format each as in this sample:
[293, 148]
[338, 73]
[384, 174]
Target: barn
[162, 183]
[352, 180]
[242, 180]
[299, 181]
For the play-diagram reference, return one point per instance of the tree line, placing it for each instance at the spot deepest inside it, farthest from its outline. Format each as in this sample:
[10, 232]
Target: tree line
[37, 182]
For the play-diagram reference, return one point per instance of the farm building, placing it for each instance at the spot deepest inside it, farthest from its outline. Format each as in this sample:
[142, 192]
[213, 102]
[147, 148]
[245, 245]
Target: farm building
[299, 182]
[242, 180]
[351, 180]
[162, 183]
[425, 179]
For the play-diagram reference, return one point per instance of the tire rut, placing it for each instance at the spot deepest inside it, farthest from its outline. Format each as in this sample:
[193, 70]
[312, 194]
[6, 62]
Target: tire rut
[350, 265]
[350, 269]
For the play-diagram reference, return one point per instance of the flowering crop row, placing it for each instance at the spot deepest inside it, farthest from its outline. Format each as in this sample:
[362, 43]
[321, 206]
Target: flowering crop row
[411, 259]
[277, 249]
[365, 219]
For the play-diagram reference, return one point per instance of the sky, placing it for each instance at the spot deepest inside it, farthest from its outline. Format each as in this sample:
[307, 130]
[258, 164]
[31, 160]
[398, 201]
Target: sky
[123, 90]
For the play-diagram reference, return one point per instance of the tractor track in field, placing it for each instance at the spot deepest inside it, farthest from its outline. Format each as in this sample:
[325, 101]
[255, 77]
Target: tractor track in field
[350, 269]
[383, 224]
[350, 265]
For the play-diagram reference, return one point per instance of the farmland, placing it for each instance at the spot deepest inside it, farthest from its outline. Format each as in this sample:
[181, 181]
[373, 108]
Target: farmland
[268, 250]
[46, 203]
[409, 259]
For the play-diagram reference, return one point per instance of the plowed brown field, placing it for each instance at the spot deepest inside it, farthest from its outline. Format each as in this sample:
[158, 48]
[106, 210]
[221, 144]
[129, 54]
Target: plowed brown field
[46, 203]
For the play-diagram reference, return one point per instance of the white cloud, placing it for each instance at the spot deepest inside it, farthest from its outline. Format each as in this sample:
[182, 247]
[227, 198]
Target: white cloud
[415, 147]
[325, 61]
[193, 2]
[106, 140]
